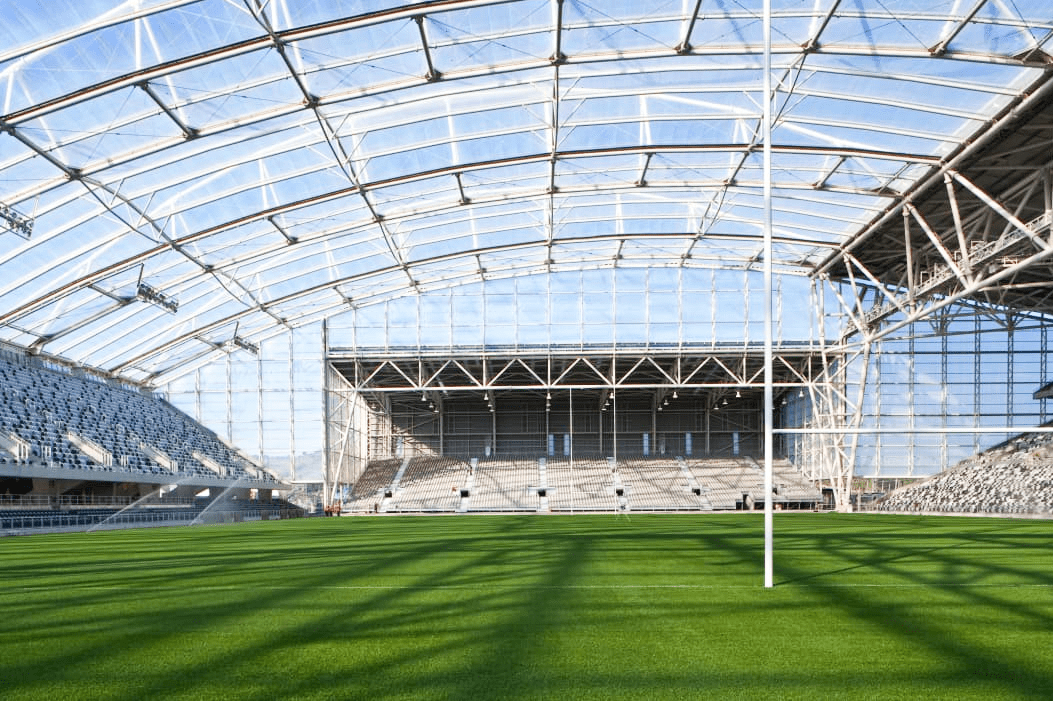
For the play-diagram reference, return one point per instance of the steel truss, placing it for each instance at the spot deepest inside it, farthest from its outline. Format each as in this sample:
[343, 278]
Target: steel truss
[364, 387]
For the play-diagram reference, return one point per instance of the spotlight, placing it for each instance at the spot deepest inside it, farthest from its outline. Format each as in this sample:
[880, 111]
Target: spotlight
[738, 394]
[665, 402]
[674, 395]
[245, 344]
[725, 402]
[14, 221]
[154, 296]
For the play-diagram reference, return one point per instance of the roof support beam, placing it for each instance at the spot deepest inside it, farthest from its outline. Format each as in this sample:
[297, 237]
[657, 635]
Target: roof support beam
[557, 56]
[982, 282]
[81, 323]
[878, 285]
[813, 42]
[642, 180]
[550, 210]
[991, 202]
[684, 47]
[937, 244]
[188, 131]
[963, 244]
[940, 48]
[460, 190]
[90, 279]
[830, 173]
[1003, 122]
[909, 253]
[281, 230]
[431, 74]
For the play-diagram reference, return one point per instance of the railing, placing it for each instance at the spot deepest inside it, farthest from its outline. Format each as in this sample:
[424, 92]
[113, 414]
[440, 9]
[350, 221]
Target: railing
[13, 522]
[44, 501]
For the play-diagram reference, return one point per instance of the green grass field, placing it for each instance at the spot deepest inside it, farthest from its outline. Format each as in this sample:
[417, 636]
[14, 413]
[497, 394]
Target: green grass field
[533, 607]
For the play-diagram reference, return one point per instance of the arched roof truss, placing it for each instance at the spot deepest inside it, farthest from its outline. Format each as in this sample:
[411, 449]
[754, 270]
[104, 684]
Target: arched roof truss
[265, 164]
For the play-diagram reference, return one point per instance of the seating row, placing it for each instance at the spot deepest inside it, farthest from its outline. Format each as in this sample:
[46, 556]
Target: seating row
[449, 484]
[56, 419]
[1015, 477]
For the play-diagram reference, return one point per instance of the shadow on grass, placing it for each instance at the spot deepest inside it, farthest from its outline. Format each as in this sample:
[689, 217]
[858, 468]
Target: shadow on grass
[534, 607]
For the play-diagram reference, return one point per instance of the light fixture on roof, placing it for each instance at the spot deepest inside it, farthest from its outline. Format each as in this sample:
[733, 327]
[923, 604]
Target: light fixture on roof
[674, 394]
[801, 393]
[243, 343]
[665, 402]
[147, 293]
[246, 345]
[16, 222]
[738, 394]
[725, 402]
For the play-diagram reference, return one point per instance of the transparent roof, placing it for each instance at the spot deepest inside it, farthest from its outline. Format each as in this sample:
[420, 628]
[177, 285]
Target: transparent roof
[260, 165]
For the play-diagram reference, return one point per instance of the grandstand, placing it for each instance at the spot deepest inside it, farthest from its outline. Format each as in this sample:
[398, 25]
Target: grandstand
[555, 485]
[1012, 478]
[77, 451]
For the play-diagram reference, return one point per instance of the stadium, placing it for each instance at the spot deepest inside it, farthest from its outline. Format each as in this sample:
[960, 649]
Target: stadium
[526, 349]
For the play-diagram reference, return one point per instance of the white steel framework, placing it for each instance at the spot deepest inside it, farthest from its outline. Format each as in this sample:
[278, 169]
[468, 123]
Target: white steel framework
[266, 164]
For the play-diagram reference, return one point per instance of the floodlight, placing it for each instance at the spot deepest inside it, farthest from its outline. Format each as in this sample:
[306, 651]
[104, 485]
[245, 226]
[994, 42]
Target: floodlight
[16, 222]
[154, 296]
[245, 345]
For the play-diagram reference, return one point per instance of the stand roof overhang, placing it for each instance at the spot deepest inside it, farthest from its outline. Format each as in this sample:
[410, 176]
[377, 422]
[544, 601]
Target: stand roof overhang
[262, 165]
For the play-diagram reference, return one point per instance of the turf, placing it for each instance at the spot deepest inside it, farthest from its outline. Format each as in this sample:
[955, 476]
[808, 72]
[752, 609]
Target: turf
[533, 607]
